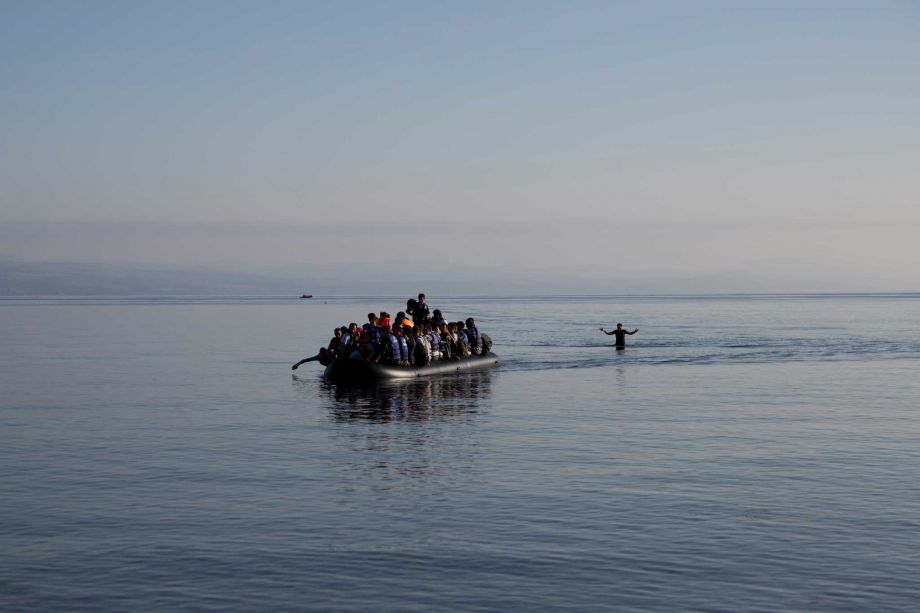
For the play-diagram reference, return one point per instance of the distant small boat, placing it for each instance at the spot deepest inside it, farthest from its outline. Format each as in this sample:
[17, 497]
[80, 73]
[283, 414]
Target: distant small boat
[306, 295]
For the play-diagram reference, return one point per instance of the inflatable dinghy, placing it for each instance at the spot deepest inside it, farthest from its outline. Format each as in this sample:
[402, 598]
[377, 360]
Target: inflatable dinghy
[359, 370]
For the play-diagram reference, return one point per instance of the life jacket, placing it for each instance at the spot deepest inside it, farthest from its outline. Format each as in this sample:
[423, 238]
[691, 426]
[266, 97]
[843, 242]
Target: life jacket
[374, 331]
[384, 322]
[435, 340]
[394, 348]
[403, 348]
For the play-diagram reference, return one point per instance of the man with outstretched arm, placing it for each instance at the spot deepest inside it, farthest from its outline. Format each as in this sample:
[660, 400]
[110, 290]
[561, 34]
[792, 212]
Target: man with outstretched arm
[620, 333]
[324, 357]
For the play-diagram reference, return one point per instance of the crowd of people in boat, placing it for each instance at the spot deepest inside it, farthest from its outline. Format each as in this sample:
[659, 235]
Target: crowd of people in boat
[417, 336]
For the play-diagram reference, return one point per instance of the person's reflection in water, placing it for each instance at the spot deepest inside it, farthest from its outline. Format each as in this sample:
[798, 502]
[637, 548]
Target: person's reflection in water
[621, 378]
[413, 400]
[419, 437]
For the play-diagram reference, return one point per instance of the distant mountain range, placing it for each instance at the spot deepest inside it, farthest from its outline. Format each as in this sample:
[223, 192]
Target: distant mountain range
[83, 279]
[18, 278]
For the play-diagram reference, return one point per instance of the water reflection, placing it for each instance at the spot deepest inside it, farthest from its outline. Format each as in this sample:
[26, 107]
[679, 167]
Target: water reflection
[463, 394]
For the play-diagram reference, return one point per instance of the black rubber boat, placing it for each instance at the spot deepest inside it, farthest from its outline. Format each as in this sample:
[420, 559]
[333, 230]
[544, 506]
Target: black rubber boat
[358, 370]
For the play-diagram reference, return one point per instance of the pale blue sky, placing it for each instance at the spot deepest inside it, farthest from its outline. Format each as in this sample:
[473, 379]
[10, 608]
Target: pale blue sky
[668, 138]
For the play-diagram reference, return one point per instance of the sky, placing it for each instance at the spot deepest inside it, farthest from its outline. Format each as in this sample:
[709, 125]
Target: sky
[733, 145]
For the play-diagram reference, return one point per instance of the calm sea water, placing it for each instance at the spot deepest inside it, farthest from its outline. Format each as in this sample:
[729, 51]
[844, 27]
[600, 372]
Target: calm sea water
[743, 453]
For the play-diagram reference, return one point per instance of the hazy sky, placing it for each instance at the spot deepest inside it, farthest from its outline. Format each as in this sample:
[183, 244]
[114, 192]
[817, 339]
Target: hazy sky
[774, 140]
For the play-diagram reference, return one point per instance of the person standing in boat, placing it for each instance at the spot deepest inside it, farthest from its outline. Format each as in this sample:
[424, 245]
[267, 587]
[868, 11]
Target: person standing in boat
[419, 310]
[620, 334]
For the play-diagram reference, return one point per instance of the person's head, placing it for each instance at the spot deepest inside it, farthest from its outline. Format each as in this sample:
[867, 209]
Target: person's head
[421, 298]
[352, 327]
[400, 316]
[337, 332]
[371, 317]
[437, 314]
[470, 323]
[619, 326]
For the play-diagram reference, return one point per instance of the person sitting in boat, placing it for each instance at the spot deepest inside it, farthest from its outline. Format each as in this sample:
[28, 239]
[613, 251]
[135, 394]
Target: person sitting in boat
[446, 353]
[373, 330]
[335, 344]
[365, 349]
[422, 347]
[437, 319]
[384, 320]
[462, 343]
[350, 335]
[409, 335]
[348, 341]
[389, 352]
[402, 320]
[472, 333]
[435, 341]
[399, 347]
[324, 357]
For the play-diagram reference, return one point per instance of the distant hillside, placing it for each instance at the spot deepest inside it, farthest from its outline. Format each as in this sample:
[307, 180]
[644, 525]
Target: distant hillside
[77, 279]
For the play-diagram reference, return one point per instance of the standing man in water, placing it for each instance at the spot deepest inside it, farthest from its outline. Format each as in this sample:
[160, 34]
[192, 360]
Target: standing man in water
[621, 335]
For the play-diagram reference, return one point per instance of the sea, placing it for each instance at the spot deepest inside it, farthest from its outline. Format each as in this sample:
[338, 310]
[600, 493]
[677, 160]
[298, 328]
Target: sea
[743, 453]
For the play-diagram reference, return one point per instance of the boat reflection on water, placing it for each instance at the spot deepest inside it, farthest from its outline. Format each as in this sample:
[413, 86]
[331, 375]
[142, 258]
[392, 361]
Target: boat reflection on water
[458, 395]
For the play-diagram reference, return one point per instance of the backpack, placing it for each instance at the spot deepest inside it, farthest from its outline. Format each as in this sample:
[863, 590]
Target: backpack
[463, 347]
[422, 353]
[486, 343]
